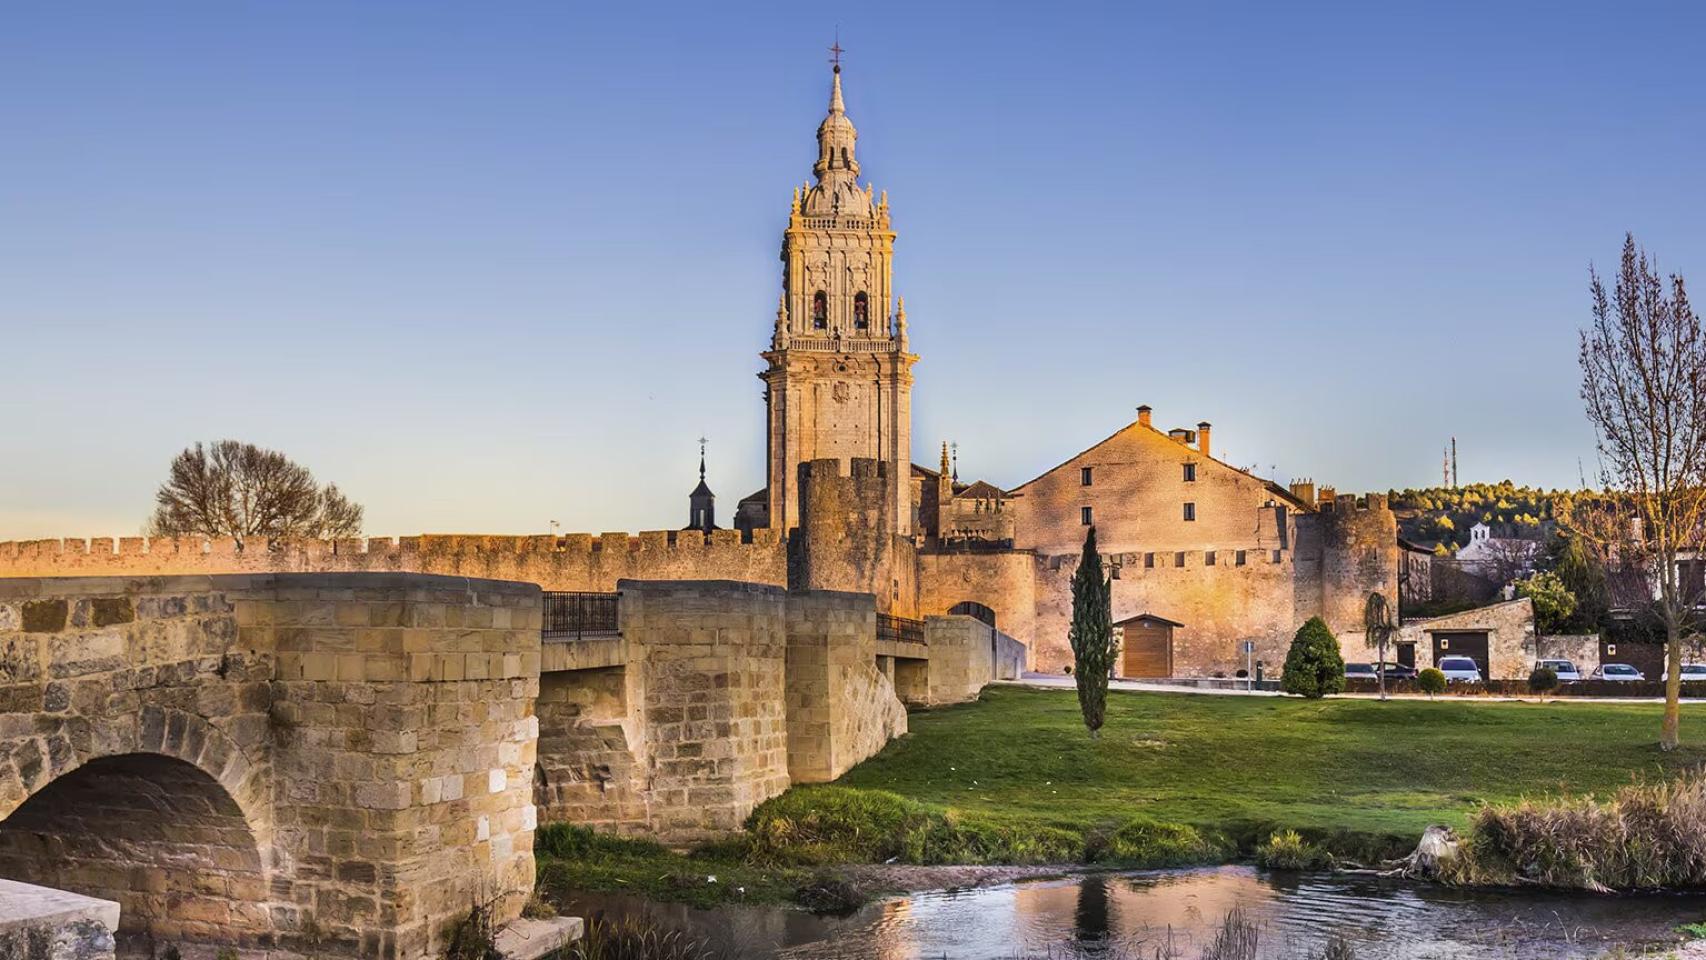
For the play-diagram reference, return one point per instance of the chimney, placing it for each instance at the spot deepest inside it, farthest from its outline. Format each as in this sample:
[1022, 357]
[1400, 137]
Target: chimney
[1143, 415]
[1202, 438]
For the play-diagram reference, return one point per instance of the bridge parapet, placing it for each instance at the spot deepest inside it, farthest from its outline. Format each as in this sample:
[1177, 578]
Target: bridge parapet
[348, 757]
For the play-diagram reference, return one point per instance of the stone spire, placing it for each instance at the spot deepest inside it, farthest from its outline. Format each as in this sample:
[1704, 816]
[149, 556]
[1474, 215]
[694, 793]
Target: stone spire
[837, 191]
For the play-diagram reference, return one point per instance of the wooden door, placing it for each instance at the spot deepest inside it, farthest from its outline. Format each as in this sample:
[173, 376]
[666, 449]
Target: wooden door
[1148, 650]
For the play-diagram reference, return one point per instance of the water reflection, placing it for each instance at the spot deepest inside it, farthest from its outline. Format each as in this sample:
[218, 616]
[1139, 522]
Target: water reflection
[1106, 916]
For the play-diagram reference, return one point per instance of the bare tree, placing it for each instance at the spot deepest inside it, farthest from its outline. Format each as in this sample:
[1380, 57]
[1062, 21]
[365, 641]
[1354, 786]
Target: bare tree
[239, 490]
[1643, 362]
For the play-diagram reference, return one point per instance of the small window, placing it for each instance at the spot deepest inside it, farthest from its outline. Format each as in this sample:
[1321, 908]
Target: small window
[1084, 476]
[1114, 572]
[1276, 556]
[1190, 511]
[862, 311]
[1190, 473]
[1149, 560]
[1084, 516]
[1179, 559]
[820, 310]
[1208, 558]
[1238, 559]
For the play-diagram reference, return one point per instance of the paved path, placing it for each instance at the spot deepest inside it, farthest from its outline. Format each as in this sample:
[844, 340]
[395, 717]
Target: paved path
[1055, 681]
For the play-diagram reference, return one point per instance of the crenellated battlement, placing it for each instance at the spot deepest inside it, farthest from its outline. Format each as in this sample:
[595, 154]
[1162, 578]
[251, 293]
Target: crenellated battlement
[575, 561]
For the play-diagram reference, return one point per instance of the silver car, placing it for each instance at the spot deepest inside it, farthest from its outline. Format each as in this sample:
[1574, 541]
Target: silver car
[1691, 672]
[1616, 672]
[1566, 670]
[1460, 670]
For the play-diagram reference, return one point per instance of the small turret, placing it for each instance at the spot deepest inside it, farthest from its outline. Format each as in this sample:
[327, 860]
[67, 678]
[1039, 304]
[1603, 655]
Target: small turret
[702, 503]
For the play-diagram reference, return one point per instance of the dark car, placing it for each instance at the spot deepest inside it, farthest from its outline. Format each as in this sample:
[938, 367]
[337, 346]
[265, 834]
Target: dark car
[1398, 671]
[1359, 671]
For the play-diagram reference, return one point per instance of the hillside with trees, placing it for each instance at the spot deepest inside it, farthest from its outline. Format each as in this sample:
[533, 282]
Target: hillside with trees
[1443, 515]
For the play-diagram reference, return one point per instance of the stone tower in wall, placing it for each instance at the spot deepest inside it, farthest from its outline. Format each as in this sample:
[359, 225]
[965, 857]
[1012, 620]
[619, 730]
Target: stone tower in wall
[839, 381]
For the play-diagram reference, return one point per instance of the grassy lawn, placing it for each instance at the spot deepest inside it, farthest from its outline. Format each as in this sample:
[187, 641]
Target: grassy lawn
[1360, 770]
[1175, 778]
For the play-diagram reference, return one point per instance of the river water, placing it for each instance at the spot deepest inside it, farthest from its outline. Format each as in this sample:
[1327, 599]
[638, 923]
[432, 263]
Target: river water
[1134, 916]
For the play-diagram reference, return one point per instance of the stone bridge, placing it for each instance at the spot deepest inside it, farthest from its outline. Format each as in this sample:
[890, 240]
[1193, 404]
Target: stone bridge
[346, 764]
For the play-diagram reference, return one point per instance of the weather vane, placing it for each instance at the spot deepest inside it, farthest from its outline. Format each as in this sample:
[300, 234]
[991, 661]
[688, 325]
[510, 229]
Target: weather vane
[836, 51]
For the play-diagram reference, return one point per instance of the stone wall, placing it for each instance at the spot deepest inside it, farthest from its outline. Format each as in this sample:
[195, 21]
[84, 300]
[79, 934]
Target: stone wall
[841, 707]
[847, 540]
[38, 923]
[347, 758]
[714, 658]
[576, 561]
[962, 658]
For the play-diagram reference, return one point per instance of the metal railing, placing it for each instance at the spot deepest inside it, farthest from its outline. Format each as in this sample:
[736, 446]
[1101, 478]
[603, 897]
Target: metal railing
[903, 629]
[571, 615]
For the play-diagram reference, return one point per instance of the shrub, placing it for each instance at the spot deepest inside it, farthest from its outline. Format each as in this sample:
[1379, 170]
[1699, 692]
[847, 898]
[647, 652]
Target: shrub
[1645, 837]
[1145, 842]
[1431, 681]
[1313, 666]
[1554, 604]
[1543, 679]
[1287, 850]
[831, 824]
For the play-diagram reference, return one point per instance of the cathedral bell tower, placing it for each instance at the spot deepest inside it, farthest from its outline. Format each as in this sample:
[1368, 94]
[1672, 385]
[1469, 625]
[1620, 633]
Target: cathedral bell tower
[839, 381]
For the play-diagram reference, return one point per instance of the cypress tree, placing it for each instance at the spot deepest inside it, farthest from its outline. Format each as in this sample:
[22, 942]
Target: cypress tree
[1092, 635]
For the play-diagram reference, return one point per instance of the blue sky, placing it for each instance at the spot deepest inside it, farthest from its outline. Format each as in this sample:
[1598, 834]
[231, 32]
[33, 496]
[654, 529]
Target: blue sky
[492, 265]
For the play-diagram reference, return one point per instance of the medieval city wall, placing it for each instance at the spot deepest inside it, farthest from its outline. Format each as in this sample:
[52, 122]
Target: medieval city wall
[576, 561]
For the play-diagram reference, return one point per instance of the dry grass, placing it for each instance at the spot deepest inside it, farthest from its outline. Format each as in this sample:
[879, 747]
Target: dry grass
[1647, 836]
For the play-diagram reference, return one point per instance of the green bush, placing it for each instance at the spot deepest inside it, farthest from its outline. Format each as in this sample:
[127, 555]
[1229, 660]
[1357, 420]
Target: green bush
[1543, 679]
[1149, 843]
[1313, 666]
[1287, 850]
[828, 824]
[1431, 681]
[1554, 604]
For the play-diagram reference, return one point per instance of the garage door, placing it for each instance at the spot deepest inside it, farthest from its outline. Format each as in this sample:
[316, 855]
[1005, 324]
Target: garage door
[1467, 643]
[1148, 650]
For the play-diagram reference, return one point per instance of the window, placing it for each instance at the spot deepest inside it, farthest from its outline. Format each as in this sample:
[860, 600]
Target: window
[1084, 476]
[1238, 559]
[1149, 560]
[1190, 473]
[862, 311]
[1114, 574]
[1084, 516]
[1208, 558]
[820, 310]
[1190, 511]
[1276, 556]
[1179, 559]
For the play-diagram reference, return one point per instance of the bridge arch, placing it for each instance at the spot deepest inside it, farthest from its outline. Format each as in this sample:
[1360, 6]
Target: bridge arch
[169, 820]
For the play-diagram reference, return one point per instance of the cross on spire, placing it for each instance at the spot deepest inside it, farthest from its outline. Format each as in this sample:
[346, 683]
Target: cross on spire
[836, 51]
[701, 459]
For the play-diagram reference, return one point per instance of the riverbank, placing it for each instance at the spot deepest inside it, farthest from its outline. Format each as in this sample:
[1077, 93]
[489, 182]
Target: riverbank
[1014, 778]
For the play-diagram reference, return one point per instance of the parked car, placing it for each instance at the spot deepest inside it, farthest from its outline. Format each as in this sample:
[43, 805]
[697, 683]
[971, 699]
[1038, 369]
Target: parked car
[1460, 670]
[1691, 672]
[1616, 672]
[1397, 671]
[1359, 671]
[1565, 669]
